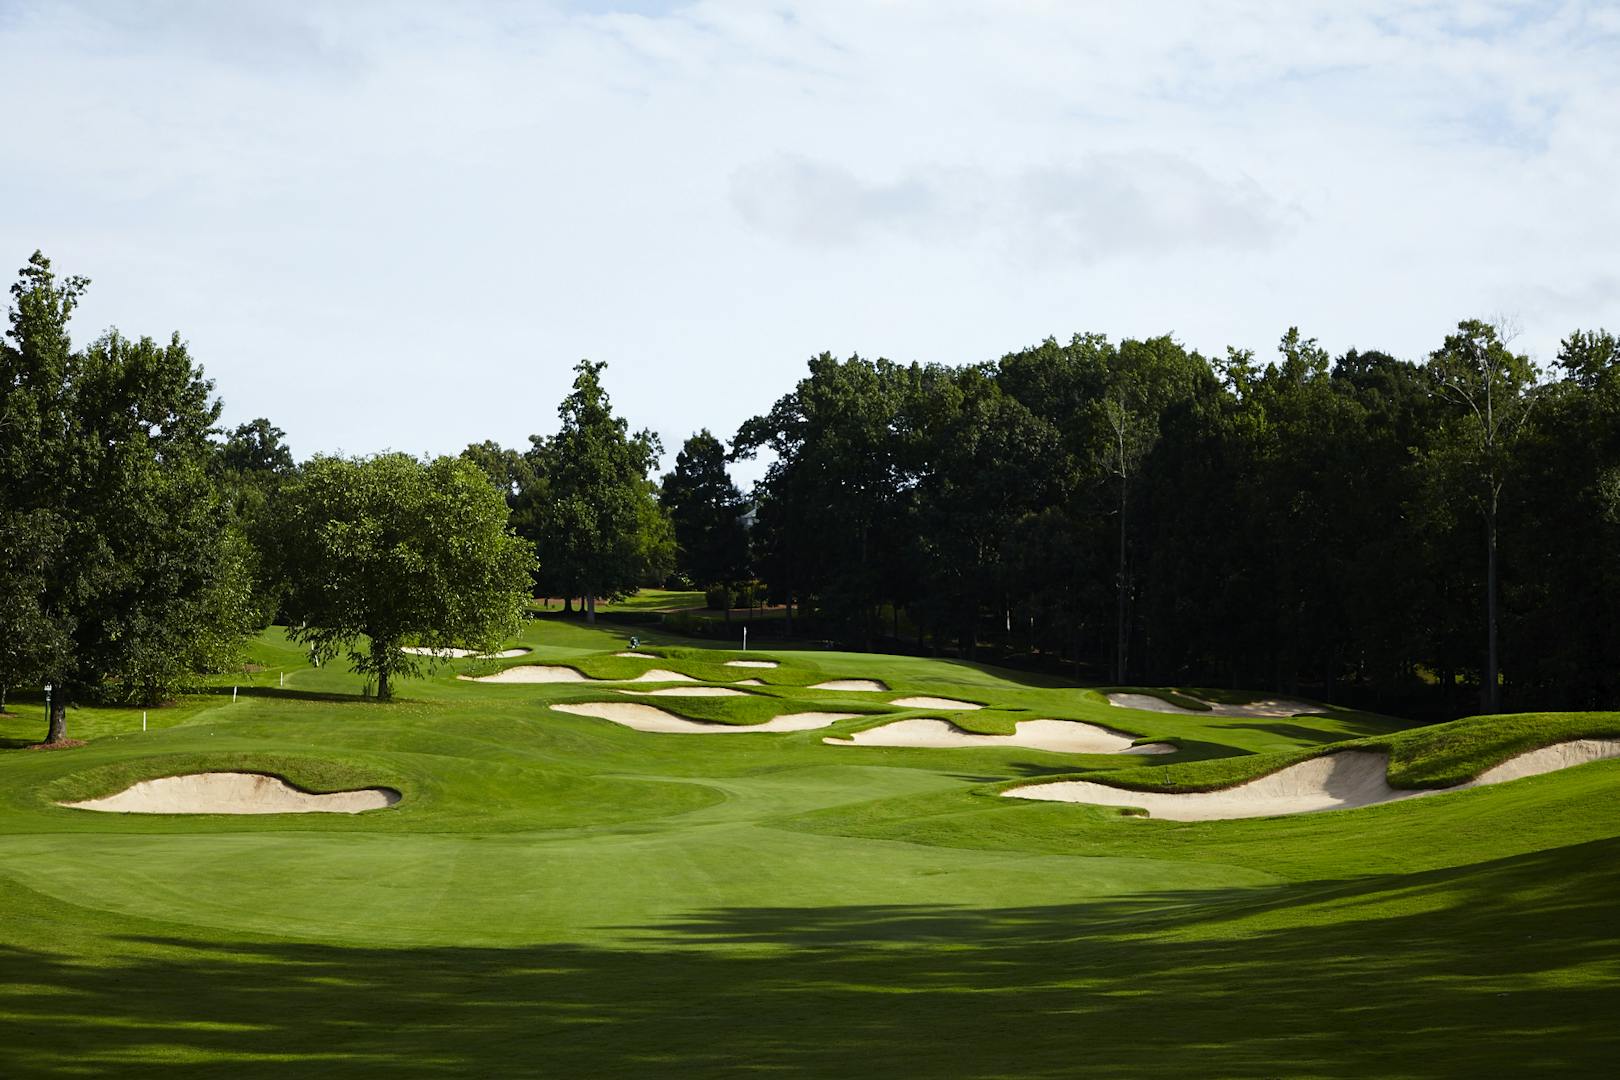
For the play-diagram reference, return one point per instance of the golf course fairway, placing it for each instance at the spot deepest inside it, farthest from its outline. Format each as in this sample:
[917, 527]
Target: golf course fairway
[556, 894]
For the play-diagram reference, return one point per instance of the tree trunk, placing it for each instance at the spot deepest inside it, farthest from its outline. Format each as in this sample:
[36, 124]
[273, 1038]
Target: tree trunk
[790, 613]
[1492, 695]
[57, 731]
[590, 609]
[2, 698]
[568, 605]
[1122, 631]
[385, 692]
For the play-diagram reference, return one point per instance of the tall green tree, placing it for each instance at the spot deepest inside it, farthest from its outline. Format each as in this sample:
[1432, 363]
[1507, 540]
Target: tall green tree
[104, 472]
[387, 551]
[600, 529]
[838, 487]
[1491, 391]
[705, 509]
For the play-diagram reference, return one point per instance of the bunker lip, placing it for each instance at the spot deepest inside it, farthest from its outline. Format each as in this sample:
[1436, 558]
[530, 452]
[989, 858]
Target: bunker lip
[1344, 780]
[864, 686]
[1265, 708]
[688, 691]
[234, 792]
[1055, 736]
[752, 663]
[651, 719]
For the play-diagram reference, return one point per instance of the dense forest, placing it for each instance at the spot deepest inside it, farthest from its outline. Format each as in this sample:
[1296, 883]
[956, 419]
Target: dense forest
[1433, 536]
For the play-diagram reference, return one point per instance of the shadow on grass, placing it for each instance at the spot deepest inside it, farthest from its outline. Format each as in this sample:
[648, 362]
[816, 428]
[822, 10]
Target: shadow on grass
[1305, 735]
[1508, 968]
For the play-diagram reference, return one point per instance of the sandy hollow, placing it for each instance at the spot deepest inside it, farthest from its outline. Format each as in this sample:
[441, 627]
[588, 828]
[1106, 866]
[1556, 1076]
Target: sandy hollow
[1340, 781]
[862, 685]
[648, 718]
[234, 793]
[751, 663]
[749, 682]
[688, 691]
[558, 673]
[1058, 736]
[637, 655]
[457, 654]
[1270, 707]
[950, 704]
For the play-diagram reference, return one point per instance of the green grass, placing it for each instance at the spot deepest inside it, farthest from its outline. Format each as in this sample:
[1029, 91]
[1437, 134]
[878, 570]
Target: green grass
[562, 896]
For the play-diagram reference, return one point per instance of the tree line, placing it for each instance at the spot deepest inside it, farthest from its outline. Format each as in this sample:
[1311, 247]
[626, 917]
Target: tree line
[1438, 535]
[1432, 535]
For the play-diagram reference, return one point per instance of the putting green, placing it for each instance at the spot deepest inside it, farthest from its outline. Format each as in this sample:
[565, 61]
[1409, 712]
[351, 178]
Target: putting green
[561, 895]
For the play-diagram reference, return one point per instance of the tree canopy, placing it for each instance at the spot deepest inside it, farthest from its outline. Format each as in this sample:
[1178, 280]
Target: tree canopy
[705, 510]
[120, 577]
[388, 551]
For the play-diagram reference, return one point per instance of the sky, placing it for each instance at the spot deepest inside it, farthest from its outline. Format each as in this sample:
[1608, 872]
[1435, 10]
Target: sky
[399, 225]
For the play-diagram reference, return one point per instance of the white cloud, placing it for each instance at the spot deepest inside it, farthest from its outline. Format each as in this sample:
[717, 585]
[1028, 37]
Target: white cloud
[400, 224]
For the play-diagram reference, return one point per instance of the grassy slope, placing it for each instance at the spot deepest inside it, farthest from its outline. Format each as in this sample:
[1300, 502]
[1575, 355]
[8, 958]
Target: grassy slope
[562, 896]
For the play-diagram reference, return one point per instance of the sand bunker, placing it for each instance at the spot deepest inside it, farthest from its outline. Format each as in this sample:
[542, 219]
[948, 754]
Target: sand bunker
[647, 718]
[1270, 707]
[458, 654]
[863, 685]
[950, 704]
[749, 682]
[234, 793]
[637, 655]
[1341, 781]
[688, 691]
[557, 673]
[751, 663]
[1058, 736]
[532, 673]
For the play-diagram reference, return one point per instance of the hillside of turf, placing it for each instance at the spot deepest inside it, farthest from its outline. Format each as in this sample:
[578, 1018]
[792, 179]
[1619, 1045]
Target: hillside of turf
[560, 895]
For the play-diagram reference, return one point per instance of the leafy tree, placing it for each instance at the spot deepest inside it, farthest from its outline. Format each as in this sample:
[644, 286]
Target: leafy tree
[840, 477]
[104, 475]
[1489, 387]
[522, 481]
[257, 447]
[705, 509]
[380, 552]
[594, 526]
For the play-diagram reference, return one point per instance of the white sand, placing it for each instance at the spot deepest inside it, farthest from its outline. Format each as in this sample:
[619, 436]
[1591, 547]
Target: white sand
[1058, 736]
[1548, 759]
[556, 673]
[457, 654]
[950, 704]
[647, 718]
[688, 691]
[1270, 707]
[637, 655]
[657, 675]
[234, 793]
[1339, 781]
[532, 673]
[749, 682]
[863, 685]
[751, 663]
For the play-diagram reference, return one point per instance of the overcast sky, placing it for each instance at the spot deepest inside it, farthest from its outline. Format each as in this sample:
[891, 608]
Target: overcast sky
[397, 225]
